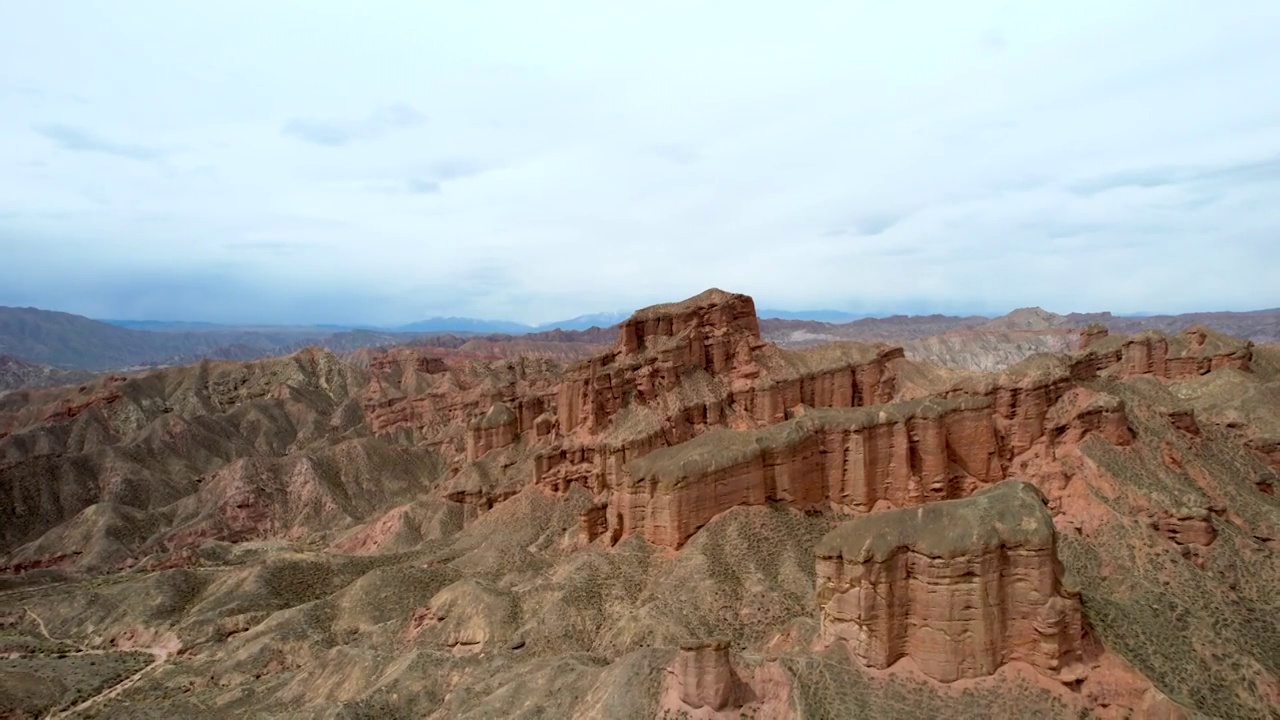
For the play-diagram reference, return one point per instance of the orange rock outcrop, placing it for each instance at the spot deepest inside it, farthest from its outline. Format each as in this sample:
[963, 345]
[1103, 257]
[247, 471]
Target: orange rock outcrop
[703, 676]
[960, 586]
[1195, 352]
[682, 369]
[692, 413]
[497, 428]
[847, 459]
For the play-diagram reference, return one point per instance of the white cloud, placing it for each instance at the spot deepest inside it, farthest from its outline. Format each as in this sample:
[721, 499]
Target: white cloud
[541, 160]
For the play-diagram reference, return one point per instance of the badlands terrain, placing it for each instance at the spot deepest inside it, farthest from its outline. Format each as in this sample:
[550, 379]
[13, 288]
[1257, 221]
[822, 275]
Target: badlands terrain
[682, 520]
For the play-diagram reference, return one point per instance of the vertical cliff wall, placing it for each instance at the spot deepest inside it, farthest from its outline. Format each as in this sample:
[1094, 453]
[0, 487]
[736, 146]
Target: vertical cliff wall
[961, 587]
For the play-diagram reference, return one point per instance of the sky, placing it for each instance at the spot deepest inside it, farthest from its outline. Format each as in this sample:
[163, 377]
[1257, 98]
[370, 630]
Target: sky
[384, 162]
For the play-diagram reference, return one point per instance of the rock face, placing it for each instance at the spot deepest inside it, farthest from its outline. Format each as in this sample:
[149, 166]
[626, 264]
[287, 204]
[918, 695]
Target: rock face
[960, 586]
[1189, 526]
[332, 523]
[848, 459]
[1092, 335]
[854, 460]
[714, 332]
[691, 414]
[682, 369]
[1195, 352]
[497, 428]
[708, 681]
[705, 677]
[1185, 420]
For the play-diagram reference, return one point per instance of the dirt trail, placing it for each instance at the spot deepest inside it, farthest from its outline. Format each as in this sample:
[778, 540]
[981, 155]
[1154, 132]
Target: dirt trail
[45, 632]
[161, 653]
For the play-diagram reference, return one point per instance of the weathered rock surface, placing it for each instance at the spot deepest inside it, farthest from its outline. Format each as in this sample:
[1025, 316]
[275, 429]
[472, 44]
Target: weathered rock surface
[960, 586]
[423, 534]
[857, 459]
[849, 459]
[704, 676]
[1197, 351]
[682, 369]
[497, 428]
[1188, 526]
[708, 681]
[466, 617]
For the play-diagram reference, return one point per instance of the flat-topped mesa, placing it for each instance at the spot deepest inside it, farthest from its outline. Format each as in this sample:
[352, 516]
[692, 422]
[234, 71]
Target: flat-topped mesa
[838, 375]
[849, 459]
[683, 368]
[714, 312]
[960, 586]
[1196, 351]
[715, 332]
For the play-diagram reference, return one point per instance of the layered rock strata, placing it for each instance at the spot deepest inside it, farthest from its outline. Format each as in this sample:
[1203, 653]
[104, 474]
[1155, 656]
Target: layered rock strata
[714, 332]
[1041, 400]
[854, 460]
[849, 459]
[704, 676]
[682, 369]
[960, 586]
[692, 413]
[1195, 352]
[497, 428]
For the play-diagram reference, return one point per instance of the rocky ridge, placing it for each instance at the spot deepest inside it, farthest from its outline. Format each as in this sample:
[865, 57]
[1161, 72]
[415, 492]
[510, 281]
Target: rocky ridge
[487, 518]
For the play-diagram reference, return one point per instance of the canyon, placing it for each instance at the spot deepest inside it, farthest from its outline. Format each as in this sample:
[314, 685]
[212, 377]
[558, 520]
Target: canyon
[730, 526]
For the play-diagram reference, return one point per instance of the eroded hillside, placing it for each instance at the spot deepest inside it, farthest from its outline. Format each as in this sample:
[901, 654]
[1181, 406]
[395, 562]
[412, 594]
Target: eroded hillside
[692, 523]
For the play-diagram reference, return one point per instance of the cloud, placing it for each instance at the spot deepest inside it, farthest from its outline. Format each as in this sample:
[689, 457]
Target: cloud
[876, 224]
[76, 139]
[454, 169]
[867, 226]
[335, 133]
[423, 187]
[993, 40]
[1073, 155]
[276, 247]
[678, 154]
[430, 178]
[1254, 171]
[1062, 231]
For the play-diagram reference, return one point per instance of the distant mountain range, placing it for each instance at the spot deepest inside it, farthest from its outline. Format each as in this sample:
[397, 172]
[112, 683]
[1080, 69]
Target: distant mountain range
[1261, 326]
[458, 324]
[66, 341]
[586, 322]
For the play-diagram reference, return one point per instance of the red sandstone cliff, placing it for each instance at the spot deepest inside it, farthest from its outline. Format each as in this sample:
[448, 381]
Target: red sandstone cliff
[846, 459]
[961, 587]
[855, 460]
[1195, 352]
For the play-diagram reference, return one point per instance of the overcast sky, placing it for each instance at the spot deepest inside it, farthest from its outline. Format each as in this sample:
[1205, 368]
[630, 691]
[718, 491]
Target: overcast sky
[389, 161]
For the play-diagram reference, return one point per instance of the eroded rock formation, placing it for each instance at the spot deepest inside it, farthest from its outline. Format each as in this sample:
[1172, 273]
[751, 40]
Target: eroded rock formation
[849, 459]
[855, 460]
[704, 676]
[333, 497]
[708, 681]
[1198, 350]
[497, 428]
[1187, 526]
[960, 586]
